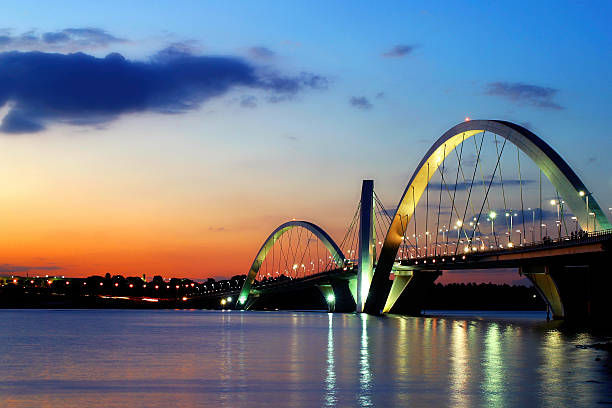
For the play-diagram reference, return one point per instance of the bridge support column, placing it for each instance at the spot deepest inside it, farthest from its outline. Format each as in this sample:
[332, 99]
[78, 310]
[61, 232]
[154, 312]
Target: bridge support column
[367, 247]
[352, 284]
[397, 287]
[250, 302]
[407, 295]
[545, 284]
[337, 295]
[579, 292]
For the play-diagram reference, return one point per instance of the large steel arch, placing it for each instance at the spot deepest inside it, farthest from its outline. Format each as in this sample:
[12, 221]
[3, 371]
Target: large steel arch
[329, 243]
[563, 178]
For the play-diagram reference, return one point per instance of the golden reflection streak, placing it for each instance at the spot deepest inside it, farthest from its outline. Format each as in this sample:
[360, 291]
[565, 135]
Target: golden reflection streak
[401, 363]
[330, 373]
[427, 344]
[553, 390]
[460, 365]
[494, 370]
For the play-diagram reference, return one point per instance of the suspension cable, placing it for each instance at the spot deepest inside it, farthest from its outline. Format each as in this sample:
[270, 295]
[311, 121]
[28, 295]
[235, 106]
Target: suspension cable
[440, 199]
[416, 237]
[459, 156]
[483, 178]
[540, 228]
[489, 187]
[501, 181]
[469, 194]
[427, 212]
[518, 159]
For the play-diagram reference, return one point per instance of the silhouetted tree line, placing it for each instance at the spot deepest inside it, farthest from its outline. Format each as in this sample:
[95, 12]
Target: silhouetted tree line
[484, 296]
[106, 291]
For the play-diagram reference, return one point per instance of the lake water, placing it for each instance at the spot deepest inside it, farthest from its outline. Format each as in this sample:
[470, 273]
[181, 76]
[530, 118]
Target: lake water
[134, 358]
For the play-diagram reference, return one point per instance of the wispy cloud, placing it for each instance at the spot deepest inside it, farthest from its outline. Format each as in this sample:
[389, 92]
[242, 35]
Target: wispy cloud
[360, 102]
[290, 137]
[9, 268]
[526, 94]
[248, 101]
[68, 39]
[399, 51]
[478, 184]
[261, 52]
[79, 89]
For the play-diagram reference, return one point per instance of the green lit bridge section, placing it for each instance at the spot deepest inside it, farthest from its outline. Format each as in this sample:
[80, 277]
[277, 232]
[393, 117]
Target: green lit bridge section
[335, 253]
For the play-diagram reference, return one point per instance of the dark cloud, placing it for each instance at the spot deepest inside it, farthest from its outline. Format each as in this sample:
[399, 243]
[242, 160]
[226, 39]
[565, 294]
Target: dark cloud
[478, 184]
[261, 52]
[399, 51]
[278, 98]
[521, 93]
[360, 102]
[79, 89]
[216, 229]
[176, 50]
[380, 95]
[8, 268]
[528, 214]
[68, 39]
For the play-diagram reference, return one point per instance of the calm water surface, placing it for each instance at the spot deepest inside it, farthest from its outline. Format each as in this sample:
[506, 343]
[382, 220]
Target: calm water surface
[132, 358]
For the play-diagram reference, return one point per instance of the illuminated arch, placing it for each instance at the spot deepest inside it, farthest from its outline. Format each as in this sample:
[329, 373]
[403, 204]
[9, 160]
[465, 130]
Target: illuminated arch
[564, 179]
[329, 243]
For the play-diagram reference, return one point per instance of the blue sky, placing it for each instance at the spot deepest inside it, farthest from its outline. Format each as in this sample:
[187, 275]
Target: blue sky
[395, 76]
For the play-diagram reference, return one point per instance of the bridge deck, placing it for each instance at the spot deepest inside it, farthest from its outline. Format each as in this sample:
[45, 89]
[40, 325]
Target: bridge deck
[593, 244]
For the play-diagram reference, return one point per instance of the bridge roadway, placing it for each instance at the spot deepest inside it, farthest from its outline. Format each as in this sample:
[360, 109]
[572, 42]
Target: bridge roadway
[564, 250]
[571, 273]
[334, 283]
[558, 268]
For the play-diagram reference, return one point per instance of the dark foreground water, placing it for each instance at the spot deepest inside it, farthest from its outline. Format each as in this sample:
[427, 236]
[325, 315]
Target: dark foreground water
[132, 358]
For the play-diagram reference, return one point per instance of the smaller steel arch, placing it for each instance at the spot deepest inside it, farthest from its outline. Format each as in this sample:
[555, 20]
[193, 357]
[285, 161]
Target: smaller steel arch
[323, 236]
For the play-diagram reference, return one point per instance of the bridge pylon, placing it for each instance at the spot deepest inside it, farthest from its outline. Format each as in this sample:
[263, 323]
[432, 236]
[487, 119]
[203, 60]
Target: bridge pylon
[367, 243]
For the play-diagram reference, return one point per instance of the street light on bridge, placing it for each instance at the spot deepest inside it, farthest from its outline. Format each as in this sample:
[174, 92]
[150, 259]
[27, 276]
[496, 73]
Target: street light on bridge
[492, 216]
[558, 221]
[586, 195]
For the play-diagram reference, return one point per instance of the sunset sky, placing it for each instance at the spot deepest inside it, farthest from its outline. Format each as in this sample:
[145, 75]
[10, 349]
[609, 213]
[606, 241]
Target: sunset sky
[171, 137]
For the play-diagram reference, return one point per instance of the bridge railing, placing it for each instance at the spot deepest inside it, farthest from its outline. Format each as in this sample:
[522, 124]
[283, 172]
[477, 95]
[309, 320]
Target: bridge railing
[283, 279]
[581, 237]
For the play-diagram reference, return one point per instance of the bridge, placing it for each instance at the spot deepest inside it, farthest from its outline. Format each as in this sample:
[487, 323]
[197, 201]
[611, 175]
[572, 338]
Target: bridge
[488, 194]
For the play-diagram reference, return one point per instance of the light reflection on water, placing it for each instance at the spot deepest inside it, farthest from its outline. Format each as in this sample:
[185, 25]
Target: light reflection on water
[330, 373]
[101, 358]
[460, 365]
[365, 373]
[493, 366]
